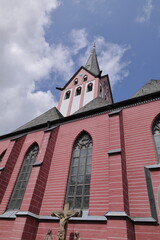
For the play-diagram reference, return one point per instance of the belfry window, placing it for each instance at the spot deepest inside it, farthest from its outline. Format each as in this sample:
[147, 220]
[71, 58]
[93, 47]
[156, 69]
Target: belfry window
[89, 87]
[78, 191]
[156, 134]
[67, 94]
[2, 155]
[85, 78]
[76, 81]
[78, 91]
[21, 184]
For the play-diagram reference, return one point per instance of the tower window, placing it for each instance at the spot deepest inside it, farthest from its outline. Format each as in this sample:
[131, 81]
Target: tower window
[78, 91]
[156, 134]
[89, 87]
[76, 81]
[67, 94]
[21, 184]
[78, 191]
[85, 78]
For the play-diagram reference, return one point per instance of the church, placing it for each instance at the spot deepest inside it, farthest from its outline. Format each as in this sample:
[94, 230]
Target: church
[88, 169]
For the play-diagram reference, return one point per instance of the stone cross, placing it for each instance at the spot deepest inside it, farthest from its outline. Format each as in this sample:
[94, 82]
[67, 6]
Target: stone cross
[64, 216]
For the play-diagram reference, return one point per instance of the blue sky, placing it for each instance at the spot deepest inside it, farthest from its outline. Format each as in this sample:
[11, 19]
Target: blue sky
[43, 42]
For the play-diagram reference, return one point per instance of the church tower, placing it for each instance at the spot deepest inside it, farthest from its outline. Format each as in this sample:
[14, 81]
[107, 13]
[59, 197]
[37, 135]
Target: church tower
[86, 85]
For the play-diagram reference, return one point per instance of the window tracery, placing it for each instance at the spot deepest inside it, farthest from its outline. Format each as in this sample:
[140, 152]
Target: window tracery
[80, 173]
[21, 184]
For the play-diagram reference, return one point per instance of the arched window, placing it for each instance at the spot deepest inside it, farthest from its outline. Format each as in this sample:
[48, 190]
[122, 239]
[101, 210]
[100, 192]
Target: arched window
[2, 155]
[78, 191]
[85, 78]
[67, 94]
[156, 134]
[78, 91]
[21, 184]
[75, 81]
[89, 87]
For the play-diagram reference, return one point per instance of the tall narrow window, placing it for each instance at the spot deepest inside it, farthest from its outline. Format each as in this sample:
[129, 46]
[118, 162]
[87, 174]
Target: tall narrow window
[80, 173]
[21, 184]
[156, 133]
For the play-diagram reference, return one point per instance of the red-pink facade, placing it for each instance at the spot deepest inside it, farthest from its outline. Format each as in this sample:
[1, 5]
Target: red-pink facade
[123, 147]
[124, 179]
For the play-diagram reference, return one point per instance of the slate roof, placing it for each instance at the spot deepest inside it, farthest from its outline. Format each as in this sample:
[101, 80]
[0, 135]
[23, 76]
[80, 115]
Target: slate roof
[92, 63]
[150, 87]
[50, 115]
[95, 103]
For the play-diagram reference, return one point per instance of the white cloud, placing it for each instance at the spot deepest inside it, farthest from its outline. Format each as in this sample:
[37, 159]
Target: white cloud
[110, 58]
[79, 39]
[146, 11]
[25, 58]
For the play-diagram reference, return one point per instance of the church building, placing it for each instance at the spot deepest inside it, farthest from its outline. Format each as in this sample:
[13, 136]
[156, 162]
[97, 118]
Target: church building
[88, 169]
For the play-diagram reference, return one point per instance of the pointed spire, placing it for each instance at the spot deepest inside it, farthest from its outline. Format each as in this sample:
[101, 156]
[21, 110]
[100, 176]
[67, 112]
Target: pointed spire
[92, 63]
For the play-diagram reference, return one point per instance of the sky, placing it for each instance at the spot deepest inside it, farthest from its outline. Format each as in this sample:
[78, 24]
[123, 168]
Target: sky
[44, 42]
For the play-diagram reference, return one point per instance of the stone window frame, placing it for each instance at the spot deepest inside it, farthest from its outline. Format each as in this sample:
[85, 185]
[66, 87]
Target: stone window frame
[78, 189]
[23, 177]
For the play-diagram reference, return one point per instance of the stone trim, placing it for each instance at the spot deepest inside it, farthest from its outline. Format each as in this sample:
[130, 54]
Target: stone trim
[124, 215]
[51, 128]
[114, 151]
[37, 164]
[85, 217]
[2, 169]
[17, 137]
[114, 112]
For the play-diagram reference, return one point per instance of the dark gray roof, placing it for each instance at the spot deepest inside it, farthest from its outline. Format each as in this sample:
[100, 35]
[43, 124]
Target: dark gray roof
[150, 87]
[95, 103]
[92, 63]
[50, 115]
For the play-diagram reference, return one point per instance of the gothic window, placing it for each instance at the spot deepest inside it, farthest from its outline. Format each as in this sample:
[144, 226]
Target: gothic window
[2, 155]
[156, 134]
[78, 191]
[85, 78]
[21, 184]
[89, 87]
[78, 91]
[67, 94]
[75, 81]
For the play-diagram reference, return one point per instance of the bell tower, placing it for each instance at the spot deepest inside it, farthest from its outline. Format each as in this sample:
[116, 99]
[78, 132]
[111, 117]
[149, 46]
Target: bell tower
[85, 85]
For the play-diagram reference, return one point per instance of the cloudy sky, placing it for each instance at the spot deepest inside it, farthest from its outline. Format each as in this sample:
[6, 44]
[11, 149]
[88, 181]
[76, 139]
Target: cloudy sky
[43, 42]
